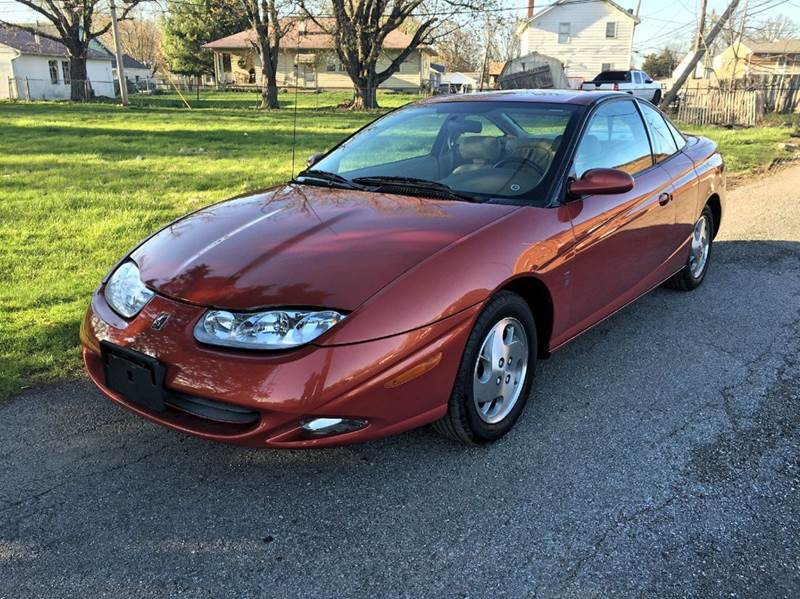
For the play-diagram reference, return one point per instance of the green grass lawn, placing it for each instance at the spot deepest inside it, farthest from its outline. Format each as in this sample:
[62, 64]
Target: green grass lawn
[746, 150]
[81, 184]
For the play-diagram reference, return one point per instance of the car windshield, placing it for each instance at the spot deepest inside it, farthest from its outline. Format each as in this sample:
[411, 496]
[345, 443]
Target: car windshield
[615, 76]
[475, 150]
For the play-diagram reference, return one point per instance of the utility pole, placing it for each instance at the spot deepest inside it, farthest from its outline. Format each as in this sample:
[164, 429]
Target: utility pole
[698, 53]
[123, 83]
[701, 24]
[485, 65]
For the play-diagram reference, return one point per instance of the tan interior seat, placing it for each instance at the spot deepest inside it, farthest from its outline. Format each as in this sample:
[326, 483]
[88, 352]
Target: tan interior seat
[477, 151]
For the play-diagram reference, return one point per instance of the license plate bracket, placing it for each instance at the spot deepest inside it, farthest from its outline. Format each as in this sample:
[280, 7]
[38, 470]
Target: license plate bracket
[135, 376]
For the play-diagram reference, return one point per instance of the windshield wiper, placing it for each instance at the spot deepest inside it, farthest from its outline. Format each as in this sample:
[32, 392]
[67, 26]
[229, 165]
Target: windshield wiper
[332, 179]
[434, 188]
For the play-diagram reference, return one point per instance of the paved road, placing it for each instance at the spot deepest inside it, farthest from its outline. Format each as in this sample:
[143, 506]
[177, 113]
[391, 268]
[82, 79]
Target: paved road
[661, 457]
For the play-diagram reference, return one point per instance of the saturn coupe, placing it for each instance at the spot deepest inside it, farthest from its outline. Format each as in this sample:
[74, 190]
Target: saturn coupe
[414, 274]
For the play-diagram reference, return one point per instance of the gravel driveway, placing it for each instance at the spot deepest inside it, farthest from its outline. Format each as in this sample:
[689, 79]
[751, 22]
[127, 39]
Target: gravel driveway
[660, 457]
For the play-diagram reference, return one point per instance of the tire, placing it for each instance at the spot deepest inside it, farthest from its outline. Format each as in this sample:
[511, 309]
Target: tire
[689, 277]
[657, 97]
[477, 422]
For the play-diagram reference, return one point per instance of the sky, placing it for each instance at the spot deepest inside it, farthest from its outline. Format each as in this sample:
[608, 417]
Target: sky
[663, 22]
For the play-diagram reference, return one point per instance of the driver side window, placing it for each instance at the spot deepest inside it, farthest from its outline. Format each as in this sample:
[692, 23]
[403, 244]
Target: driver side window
[615, 138]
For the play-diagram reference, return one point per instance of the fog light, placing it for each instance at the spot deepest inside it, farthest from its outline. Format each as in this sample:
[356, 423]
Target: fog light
[321, 427]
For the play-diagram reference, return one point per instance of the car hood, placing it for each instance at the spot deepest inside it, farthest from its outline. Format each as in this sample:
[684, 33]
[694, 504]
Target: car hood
[299, 245]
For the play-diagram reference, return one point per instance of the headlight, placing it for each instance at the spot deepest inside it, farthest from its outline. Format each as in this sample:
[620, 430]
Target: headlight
[125, 292]
[274, 329]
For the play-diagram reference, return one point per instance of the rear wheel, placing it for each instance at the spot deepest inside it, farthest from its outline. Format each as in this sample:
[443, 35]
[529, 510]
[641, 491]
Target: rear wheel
[693, 273]
[657, 97]
[495, 375]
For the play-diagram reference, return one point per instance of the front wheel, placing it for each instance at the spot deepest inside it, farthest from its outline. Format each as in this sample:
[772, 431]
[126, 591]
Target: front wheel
[494, 379]
[693, 273]
[657, 97]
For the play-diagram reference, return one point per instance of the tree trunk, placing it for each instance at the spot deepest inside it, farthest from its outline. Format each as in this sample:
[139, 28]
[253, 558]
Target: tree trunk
[269, 96]
[80, 87]
[269, 80]
[365, 94]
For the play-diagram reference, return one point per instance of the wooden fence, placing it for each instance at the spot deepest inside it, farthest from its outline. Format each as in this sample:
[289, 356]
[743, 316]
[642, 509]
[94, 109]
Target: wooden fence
[719, 107]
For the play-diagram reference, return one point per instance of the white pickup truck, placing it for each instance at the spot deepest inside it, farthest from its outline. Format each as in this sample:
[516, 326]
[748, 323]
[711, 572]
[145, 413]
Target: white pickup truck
[637, 83]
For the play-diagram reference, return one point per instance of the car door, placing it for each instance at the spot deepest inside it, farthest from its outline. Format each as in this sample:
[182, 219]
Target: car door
[666, 152]
[642, 89]
[621, 240]
[636, 82]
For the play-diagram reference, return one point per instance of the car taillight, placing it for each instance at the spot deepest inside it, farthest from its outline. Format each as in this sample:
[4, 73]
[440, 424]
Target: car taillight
[616, 87]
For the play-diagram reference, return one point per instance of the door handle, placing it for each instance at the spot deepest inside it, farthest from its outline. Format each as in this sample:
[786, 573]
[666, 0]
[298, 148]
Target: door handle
[664, 198]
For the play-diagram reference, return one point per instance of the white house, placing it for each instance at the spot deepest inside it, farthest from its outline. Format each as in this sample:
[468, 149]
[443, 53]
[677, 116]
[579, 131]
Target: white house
[33, 67]
[135, 71]
[587, 36]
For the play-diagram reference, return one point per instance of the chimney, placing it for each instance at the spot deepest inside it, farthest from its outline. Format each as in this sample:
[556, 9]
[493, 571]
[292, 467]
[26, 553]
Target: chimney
[36, 39]
[530, 8]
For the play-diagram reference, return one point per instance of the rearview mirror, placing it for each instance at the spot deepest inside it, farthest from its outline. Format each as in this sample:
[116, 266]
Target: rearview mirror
[313, 159]
[600, 181]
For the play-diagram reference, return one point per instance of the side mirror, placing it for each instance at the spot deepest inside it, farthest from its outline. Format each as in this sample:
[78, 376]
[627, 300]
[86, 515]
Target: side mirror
[313, 159]
[601, 181]
[648, 81]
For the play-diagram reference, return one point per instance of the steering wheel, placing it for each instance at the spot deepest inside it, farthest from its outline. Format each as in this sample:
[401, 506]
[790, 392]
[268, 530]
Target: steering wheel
[520, 161]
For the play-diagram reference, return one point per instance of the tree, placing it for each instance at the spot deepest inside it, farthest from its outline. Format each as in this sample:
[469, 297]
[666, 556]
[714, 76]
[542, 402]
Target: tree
[360, 28]
[459, 50]
[661, 64]
[73, 25]
[140, 38]
[270, 27]
[191, 23]
[772, 29]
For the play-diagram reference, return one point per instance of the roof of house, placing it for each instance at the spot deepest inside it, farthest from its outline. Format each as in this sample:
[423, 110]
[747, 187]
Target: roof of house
[458, 79]
[304, 34]
[495, 68]
[27, 43]
[558, 3]
[128, 62]
[787, 46]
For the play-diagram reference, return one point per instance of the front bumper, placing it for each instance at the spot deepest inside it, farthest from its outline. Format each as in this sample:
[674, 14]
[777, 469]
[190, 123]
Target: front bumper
[395, 383]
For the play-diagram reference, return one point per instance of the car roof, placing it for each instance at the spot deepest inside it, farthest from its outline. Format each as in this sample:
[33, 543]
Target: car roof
[536, 96]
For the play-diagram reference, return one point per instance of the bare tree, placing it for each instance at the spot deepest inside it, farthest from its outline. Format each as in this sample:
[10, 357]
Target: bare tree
[459, 49]
[73, 25]
[360, 28]
[270, 28]
[773, 29]
[506, 40]
[140, 38]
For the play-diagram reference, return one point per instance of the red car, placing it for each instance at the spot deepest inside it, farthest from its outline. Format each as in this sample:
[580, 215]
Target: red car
[414, 274]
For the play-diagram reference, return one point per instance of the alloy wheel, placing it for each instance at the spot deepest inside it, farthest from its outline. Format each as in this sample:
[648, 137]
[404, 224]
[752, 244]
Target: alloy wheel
[500, 369]
[701, 242]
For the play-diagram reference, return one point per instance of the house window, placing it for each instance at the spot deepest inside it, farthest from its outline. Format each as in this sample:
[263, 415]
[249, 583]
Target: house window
[781, 60]
[611, 29]
[53, 64]
[607, 66]
[333, 64]
[563, 33]
[226, 63]
[65, 72]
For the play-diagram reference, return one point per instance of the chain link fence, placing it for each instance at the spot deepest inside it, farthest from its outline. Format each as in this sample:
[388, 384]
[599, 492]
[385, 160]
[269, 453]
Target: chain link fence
[188, 93]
